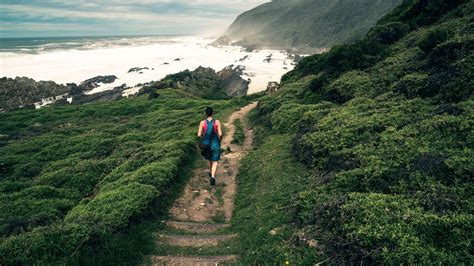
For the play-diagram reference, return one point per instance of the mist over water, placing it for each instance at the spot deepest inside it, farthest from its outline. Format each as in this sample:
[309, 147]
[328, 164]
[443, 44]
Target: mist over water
[75, 59]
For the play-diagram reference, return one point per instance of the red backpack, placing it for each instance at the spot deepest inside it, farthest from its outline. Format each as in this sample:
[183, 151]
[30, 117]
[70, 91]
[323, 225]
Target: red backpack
[215, 124]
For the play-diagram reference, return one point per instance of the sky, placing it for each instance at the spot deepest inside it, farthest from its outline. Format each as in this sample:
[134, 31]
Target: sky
[44, 18]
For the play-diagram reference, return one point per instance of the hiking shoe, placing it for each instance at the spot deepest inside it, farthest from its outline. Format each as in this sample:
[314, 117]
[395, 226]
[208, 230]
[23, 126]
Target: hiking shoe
[213, 181]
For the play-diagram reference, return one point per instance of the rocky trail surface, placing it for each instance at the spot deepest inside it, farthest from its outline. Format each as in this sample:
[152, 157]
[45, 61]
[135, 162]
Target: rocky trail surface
[199, 220]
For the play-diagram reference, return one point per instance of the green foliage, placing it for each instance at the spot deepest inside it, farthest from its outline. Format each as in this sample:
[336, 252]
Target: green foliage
[384, 126]
[388, 33]
[412, 85]
[393, 228]
[239, 135]
[352, 84]
[433, 38]
[113, 209]
[262, 197]
[73, 176]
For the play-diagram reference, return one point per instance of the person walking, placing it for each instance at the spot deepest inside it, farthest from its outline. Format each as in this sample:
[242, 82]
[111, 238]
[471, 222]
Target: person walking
[210, 131]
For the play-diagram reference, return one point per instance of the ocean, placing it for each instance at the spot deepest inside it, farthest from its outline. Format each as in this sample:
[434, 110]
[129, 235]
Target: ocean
[75, 59]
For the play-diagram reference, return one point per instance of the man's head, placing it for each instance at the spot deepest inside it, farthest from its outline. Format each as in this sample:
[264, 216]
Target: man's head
[209, 111]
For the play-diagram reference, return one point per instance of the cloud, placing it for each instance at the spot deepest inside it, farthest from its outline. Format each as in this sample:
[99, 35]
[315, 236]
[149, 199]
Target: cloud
[116, 17]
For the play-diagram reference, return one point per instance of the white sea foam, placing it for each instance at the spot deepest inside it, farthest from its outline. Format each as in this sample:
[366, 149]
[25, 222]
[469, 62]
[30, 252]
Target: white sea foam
[65, 66]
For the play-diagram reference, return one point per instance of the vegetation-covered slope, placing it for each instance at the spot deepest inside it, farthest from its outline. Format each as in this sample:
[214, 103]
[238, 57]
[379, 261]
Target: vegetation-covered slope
[384, 127]
[304, 24]
[205, 82]
[71, 176]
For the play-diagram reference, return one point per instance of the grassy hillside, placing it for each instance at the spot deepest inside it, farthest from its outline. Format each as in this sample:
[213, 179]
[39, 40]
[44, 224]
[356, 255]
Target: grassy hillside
[384, 130]
[305, 24]
[73, 176]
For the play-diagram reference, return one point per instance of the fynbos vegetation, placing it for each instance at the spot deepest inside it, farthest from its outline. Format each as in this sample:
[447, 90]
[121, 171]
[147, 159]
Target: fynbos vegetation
[384, 129]
[71, 176]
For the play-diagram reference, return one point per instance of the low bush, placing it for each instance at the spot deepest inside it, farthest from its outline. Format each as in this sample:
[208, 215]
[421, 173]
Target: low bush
[74, 176]
[433, 38]
[386, 136]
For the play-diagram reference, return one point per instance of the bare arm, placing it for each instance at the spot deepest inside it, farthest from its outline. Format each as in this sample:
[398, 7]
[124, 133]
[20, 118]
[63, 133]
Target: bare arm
[200, 129]
[219, 130]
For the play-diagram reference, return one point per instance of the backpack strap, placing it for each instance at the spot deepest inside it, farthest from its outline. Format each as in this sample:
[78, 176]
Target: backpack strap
[204, 125]
[215, 125]
[212, 131]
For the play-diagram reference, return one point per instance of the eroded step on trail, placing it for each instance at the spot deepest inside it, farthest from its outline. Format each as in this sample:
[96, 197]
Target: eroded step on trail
[195, 241]
[193, 227]
[191, 260]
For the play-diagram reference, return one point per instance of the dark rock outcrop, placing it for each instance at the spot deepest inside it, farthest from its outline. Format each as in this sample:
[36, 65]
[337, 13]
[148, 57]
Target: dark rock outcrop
[92, 83]
[23, 92]
[268, 59]
[137, 69]
[109, 95]
[204, 82]
[272, 87]
[232, 82]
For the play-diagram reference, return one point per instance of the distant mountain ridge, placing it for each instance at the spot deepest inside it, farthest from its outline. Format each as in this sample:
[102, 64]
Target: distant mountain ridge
[307, 24]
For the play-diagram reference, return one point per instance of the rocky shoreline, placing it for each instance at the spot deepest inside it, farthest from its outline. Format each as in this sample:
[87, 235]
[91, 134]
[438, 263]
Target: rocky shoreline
[26, 93]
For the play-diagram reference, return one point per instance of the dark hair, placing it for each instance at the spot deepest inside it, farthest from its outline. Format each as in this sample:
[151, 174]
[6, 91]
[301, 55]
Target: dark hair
[209, 111]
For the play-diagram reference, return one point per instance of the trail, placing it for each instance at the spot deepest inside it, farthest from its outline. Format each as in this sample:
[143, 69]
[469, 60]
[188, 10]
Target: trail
[200, 217]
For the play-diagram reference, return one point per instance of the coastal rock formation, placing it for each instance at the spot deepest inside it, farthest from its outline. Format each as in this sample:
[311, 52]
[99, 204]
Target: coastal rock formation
[272, 87]
[23, 92]
[94, 82]
[232, 82]
[204, 82]
[103, 96]
[268, 59]
[137, 69]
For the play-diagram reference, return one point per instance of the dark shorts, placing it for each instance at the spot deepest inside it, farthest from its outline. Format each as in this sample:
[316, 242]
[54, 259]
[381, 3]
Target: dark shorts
[214, 155]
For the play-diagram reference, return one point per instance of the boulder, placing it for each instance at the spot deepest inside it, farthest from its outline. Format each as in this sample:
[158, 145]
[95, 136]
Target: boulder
[272, 87]
[137, 69]
[23, 92]
[233, 83]
[92, 83]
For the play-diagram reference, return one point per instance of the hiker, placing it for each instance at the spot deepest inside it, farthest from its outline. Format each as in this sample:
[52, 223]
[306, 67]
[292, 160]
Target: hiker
[211, 132]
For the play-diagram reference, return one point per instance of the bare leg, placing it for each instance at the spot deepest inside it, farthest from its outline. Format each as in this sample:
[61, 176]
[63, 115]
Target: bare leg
[209, 163]
[214, 169]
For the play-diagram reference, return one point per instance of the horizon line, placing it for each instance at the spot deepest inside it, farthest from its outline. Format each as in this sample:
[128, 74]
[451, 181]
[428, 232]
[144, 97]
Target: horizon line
[88, 36]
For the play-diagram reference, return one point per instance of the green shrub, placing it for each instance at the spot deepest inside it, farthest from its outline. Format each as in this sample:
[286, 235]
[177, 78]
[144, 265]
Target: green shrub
[391, 154]
[393, 229]
[113, 209]
[388, 33]
[72, 176]
[413, 85]
[353, 84]
[433, 38]
[239, 134]
[288, 117]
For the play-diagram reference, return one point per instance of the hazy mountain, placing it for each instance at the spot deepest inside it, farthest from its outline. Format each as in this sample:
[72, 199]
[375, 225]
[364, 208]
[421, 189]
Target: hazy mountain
[304, 24]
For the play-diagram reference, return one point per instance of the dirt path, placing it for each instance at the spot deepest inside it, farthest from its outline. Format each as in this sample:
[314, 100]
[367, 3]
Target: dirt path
[201, 209]
[199, 203]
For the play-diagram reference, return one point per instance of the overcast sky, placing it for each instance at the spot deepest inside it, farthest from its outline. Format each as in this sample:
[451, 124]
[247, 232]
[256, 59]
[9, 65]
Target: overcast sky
[22, 18]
